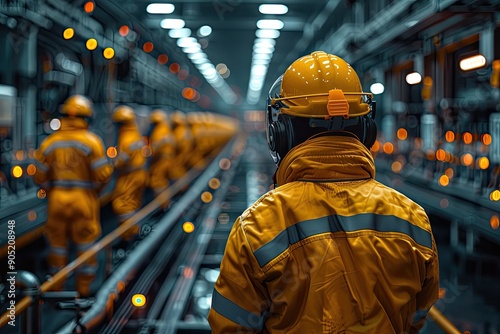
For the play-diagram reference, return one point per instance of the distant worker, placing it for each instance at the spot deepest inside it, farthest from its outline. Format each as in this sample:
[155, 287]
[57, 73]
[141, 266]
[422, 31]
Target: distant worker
[183, 144]
[72, 168]
[130, 168]
[330, 249]
[162, 144]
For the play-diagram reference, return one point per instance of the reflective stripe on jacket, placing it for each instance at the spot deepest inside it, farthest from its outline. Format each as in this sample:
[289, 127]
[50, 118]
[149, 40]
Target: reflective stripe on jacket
[331, 250]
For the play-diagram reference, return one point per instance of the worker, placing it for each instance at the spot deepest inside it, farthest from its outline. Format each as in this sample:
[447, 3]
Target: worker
[72, 168]
[129, 164]
[162, 144]
[330, 249]
[183, 143]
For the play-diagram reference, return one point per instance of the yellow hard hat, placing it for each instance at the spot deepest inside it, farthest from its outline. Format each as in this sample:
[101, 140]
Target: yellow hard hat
[123, 114]
[77, 105]
[157, 116]
[178, 118]
[321, 85]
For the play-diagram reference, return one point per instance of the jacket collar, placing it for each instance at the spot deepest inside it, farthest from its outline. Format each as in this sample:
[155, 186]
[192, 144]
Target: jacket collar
[327, 158]
[73, 123]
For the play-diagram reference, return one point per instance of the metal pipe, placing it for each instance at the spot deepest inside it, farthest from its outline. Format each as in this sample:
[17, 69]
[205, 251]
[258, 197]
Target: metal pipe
[443, 322]
[30, 285]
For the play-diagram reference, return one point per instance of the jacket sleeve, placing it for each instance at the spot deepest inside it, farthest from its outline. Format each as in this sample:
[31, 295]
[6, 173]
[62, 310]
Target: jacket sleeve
[429, 293]
[99, 164]
[239, 301]
[41, 176]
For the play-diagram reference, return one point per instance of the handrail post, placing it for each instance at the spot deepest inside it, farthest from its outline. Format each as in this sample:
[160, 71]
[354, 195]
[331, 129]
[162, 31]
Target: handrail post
[30, 285]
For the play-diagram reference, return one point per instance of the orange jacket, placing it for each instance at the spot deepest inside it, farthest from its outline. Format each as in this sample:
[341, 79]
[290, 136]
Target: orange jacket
[72, 157]
[330, 250]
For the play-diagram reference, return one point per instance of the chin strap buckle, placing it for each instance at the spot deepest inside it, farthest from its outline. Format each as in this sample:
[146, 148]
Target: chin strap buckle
[337, 104]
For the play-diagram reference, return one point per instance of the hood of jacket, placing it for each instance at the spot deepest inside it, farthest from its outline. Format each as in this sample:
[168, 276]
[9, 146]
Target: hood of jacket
[327, 158]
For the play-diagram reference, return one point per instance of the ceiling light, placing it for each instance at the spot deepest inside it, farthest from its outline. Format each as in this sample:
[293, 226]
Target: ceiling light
[264, 45]
[273, 9]
[270, 24]
[268, 41]
[473, 62]
[413, 78]
[204, 31]
[172, 23]
[186, 42]
[160, 8]
[197, 61]
[267, 33]
[192, 49]
[197, 55]
[377, 88]
[262, 56]
[263, 50]
[179, 33]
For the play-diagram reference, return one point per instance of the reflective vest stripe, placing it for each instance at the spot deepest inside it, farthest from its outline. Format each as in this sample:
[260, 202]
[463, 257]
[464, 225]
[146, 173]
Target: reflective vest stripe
[87, 269]
[137, 145]
[335, 223]
[41, 166]
[84, 247]
[123, 156]
[236, 313]
[68, 144]
[73, 184]
[59, 251]
[99, 163]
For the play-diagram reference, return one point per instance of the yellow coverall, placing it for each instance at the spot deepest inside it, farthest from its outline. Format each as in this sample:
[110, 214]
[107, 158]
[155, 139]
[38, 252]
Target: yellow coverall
[184, 148]
[162, 144]
[72, 168]
[132, 176]
[331, 250]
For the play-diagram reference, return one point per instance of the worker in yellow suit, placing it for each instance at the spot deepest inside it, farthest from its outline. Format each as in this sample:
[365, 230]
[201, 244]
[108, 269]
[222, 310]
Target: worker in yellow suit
[183, 143]
[162, 144]
[130, 167]
[72, 168]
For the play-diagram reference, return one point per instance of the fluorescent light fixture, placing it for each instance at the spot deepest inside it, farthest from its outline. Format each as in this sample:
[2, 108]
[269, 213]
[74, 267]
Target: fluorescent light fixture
[263, 50]
[258, 70]
[270, 24]
[160, 8]
[413, 78]
[264, 45]
[198, 61]
[266, 41]
[377, 88]
[273, 9]
[179, 33]
[262, 55]
[267, 33]
[205, 66]
[186, 42]
[473, 62]
[172, 23]
[197, 55]
[204, 31]
[192, 49]
[260, 61]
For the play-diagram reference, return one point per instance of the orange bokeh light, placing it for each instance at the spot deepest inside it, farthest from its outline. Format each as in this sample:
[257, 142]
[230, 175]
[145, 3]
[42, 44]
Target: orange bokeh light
[111, 152]
[441, 154]
[483, 162]
[494, 222]
[449, 136]
[162, 59]
[183, 74]
[188, 93]
[124, 30]
[402, 134]
[148, 47]
[388, 148]
[467, 137]
[174, 68]
[444, 180]
[486, 139]
[89, 7]
[467, 159]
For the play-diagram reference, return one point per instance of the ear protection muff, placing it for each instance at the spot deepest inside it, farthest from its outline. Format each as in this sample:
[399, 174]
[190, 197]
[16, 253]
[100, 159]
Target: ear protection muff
[281, 136]
[369, 131]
